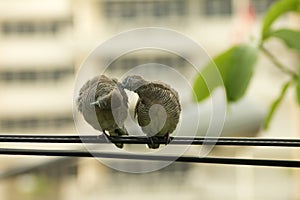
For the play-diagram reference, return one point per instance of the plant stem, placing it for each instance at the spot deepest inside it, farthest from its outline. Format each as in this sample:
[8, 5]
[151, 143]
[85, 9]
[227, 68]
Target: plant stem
[275, 104]
[280, 66]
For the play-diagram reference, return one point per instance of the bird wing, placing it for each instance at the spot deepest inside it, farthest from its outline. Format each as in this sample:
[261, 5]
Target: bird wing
[136, 107]
[104, 86]
[83, 93]
[167, 88]
[142, 113]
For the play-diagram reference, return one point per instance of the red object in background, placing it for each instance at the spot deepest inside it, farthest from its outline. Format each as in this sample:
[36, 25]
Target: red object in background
[244, 23]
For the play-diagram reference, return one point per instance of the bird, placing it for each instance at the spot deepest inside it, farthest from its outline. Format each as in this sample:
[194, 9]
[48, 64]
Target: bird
[157, 109]
[104, 105]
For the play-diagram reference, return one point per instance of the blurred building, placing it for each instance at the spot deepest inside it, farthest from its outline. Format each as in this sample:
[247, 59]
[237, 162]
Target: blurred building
[36, 66]
[43, 43]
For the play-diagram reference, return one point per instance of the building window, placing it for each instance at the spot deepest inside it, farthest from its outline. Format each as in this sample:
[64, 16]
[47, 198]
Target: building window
[161, 8]
[217, 7]
[262, 5]
[152, 9]
[128, 10]
[129, 62]
[32, 27]
[35, 75]
[35, 123]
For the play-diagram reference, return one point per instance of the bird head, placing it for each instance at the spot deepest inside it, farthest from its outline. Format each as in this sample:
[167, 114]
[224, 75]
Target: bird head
[133, 82]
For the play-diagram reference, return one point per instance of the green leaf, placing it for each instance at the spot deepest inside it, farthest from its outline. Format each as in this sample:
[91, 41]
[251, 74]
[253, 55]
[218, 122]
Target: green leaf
[275, 105]
[290, 37]
[277, 9]
[298, 88]
[242, 63]
[209, 78]
[205, 83]
[235, 67]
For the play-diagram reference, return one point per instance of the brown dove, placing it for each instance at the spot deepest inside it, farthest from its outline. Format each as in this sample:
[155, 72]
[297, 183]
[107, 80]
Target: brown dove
[103, 103]
[158, 108]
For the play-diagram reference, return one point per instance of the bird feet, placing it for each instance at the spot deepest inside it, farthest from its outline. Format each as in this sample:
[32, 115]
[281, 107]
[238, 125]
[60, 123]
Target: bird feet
[167, 138]
[154, 142]
[109, 140]
[106, 136]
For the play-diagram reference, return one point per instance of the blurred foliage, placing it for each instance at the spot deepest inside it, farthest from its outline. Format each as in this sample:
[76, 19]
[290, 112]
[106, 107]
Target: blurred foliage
[236, 64]
[298, 88]
[276, 10]
[275, 104]
[290, 37]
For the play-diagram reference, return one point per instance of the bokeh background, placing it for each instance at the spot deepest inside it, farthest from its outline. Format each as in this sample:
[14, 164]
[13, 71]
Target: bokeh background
[42, 45]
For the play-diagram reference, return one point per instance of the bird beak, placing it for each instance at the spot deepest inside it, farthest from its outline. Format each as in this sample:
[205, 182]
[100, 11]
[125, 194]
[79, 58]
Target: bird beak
[126, 83]
[123, 85]
[95, 103]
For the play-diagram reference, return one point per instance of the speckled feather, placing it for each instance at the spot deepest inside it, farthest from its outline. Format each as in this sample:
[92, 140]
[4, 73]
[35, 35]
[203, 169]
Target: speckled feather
[162, 94]
[104, 119]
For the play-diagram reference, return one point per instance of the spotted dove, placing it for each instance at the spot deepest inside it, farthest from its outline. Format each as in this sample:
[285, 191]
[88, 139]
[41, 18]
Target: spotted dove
[157, 109]
[103, 103]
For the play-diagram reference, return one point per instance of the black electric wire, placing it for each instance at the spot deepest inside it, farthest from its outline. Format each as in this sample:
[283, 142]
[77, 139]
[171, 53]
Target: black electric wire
[189, 159]
[228, 141]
